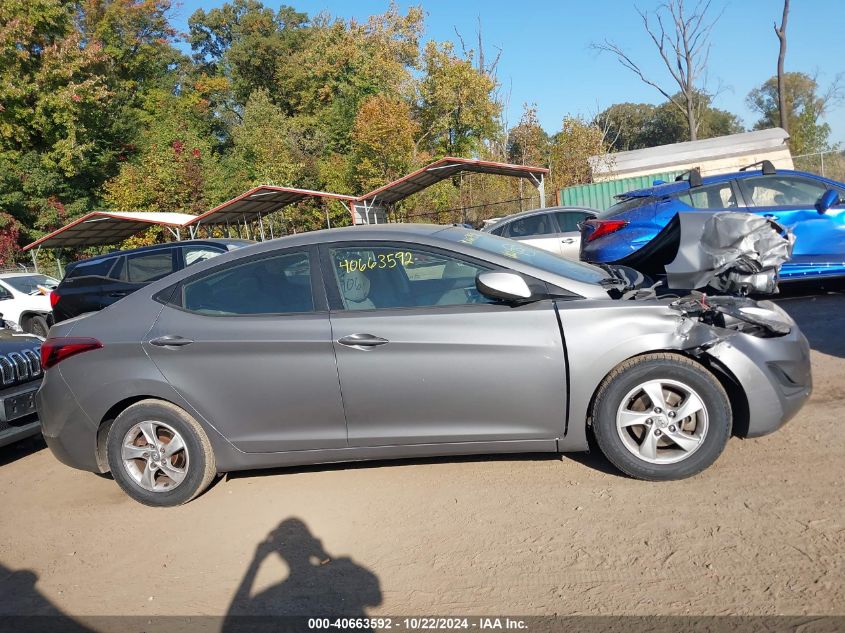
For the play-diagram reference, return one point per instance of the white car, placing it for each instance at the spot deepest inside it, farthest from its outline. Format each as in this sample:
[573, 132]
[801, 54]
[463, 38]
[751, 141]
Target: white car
[554, 229]
[25, 299]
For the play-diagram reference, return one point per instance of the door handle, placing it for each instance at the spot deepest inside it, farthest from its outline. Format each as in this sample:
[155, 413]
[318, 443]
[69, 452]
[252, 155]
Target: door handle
[120, 293]
[568, 240]
[362, 341]
[171, 341]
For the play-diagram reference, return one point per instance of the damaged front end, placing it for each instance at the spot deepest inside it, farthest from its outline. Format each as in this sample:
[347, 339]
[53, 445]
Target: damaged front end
[733, 253]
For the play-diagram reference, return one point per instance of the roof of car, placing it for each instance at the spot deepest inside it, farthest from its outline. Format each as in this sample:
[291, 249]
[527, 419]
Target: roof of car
[152, 247]
[524, 214]
[682, 185]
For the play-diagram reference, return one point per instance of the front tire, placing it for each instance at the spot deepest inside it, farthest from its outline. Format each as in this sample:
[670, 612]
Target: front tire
[159, 455]
[661, 417]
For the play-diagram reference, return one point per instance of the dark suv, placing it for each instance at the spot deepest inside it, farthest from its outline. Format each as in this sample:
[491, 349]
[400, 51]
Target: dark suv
[93, 284]
[20, 378]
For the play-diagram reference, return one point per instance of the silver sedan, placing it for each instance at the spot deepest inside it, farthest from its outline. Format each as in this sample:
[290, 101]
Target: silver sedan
[408, 341]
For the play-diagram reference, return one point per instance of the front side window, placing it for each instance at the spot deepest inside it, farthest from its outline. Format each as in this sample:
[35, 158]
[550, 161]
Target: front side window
[540, 224]
[274, 285]
[720, 196]
[147, 267]
[402, 276]
[781, 191]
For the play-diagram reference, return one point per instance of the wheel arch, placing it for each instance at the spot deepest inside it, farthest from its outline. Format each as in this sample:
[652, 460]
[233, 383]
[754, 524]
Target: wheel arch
[729, 382]
[108, 419]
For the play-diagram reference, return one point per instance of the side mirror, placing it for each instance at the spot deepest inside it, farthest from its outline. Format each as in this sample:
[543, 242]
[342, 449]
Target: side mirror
[503, 285]
[828, 199]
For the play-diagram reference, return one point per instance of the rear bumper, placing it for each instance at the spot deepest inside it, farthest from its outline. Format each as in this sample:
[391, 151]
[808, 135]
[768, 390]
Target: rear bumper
[774, 374]
[70, 434]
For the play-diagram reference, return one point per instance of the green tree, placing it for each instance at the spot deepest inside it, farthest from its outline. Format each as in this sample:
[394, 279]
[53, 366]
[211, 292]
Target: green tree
[528, 142]
[577, 141]
[457, 108]
[805, 110]
[382, 142]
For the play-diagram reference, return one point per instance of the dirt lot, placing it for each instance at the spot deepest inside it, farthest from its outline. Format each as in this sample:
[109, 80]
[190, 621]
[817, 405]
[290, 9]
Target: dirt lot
[761, 532]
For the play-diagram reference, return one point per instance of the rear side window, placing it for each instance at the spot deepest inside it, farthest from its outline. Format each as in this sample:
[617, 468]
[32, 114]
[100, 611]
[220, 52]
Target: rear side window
[197, 254]
[499, 230]
[96, 268]
[147, 267]
[720, 196]
[540, 224]
[274, 285]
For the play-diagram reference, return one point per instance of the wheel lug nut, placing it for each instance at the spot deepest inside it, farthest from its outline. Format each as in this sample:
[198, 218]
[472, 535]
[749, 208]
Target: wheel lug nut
[671, 414]
[146, 454]
[658, 432]
[658, 410]
[672, 428]
[648, 422]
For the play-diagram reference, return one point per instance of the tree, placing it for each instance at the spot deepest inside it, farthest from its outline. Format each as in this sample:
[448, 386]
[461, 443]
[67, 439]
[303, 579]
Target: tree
[243, 41]
[781, 33]
[528, 142]
[684, 50]
[638, 125]
[382, 142]
[577, 141]
[805, 108]
[457, 110]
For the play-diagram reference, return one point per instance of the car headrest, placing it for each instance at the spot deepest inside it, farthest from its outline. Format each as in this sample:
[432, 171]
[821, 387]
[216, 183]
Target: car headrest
[355, 286]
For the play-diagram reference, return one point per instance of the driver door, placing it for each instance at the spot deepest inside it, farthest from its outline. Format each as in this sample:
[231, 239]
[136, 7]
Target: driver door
[423, 358]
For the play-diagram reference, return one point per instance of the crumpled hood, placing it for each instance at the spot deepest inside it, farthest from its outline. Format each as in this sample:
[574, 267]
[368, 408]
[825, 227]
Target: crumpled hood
[731, 252]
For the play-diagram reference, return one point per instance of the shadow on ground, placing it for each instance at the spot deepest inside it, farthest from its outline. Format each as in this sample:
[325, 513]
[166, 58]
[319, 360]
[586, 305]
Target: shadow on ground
[316, 585]
[821, 317]
[21, 448]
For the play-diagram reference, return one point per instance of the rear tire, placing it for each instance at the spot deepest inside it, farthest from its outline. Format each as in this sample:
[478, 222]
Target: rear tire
[159, 455]
[661, 417]
[37, 325]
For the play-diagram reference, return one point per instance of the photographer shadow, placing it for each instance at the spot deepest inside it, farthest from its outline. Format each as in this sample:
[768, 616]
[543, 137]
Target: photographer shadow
[317, 586]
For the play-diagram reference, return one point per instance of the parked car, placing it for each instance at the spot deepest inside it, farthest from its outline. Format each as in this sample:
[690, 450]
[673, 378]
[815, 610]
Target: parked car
[92, 284]
[404, 341]
[25, 299]
[639, 230]
[553, 229]
[20, 375]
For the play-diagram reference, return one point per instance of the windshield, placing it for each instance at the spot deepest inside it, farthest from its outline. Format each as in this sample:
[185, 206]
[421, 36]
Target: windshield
[28, 284]
[523, 252]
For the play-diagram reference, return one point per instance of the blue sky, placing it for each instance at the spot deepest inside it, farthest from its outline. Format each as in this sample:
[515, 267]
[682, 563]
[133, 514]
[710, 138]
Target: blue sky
[546, 55]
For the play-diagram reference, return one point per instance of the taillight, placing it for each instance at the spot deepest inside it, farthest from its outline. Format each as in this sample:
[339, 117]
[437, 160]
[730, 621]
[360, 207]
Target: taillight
[604, 227]
[55, 350]
[54, 298]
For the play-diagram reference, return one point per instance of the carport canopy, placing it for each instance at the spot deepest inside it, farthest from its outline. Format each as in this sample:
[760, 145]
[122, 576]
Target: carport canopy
[261, 201]
[100, 228]
[446, 168]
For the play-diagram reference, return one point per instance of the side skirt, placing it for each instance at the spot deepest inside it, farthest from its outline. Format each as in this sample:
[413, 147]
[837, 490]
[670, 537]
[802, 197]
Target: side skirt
[234, 461]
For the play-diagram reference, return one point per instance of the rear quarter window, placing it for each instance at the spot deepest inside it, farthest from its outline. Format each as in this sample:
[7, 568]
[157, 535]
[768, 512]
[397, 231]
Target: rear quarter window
[628, 204]
[97, 268]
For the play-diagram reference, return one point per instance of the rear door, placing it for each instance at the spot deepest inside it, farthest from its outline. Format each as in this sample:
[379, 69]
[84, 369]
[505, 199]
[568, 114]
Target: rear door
[569, 233]
[538, 229]
[248, 345]
[790, 200]
[424, 358]
[136, 270]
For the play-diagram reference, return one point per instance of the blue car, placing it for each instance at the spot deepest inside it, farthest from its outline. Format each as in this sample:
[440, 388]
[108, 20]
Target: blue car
[642, 229]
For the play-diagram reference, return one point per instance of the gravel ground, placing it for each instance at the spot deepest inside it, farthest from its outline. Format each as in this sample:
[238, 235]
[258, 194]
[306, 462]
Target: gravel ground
[760, 532]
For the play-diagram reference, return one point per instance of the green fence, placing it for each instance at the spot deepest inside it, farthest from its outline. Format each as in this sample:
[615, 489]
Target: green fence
[600, 195]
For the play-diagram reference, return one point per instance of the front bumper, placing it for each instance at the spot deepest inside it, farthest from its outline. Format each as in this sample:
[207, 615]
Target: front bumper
[774, 373]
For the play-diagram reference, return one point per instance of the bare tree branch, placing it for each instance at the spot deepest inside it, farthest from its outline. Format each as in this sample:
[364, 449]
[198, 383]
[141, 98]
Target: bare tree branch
[684, 49]
[781, 33]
